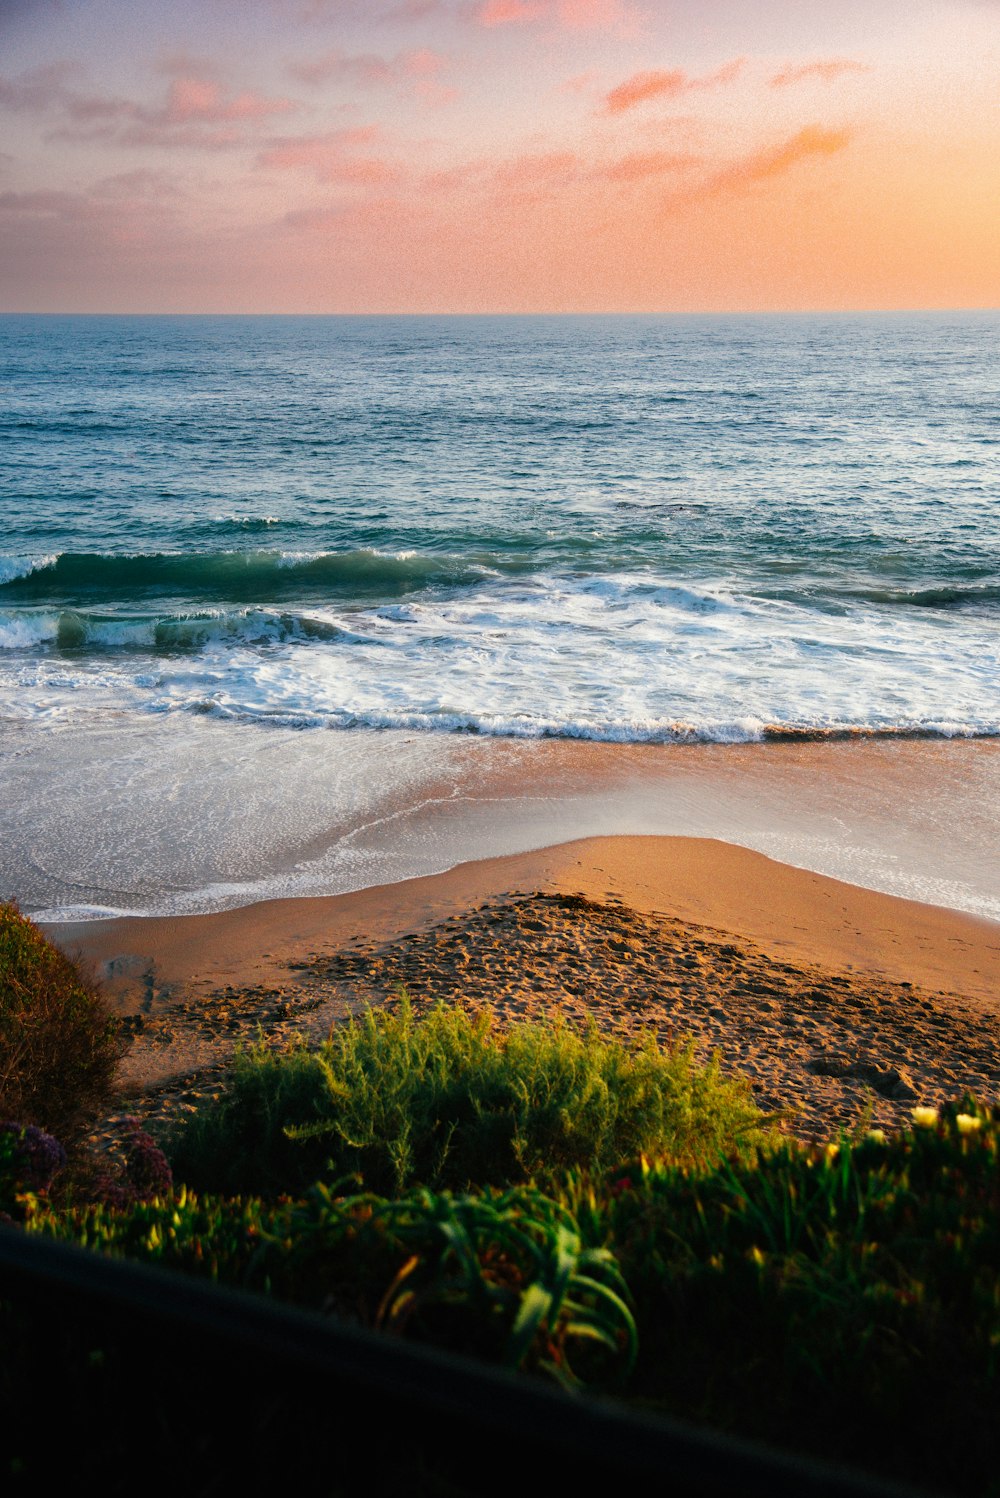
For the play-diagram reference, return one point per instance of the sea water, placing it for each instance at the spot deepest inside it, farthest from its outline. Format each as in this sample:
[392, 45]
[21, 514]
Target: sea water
[268, 574]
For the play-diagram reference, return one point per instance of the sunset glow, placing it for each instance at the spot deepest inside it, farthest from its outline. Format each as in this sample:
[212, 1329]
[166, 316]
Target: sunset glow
[509, 155]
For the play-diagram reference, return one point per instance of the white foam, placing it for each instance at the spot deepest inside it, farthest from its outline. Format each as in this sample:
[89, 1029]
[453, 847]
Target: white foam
[624, 659]
[12, 568]
[23, 631]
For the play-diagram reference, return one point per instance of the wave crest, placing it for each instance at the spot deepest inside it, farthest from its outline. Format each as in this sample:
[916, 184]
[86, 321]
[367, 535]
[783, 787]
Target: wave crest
[243, 576]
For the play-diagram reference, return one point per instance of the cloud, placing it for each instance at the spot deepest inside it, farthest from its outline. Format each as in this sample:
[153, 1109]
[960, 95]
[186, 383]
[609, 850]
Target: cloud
[201, 100]
[826, 69]
[510, 12]
[330, 158]
[567, 15]
[112, 209]
[596, 15]
[417, 72]
[760, 166]
[580, 83]
[667, 84]
[415, 10]
[43, 204]
[38, 90]
[641, 165]
[197, 111]
[143, 183]
[184, 64]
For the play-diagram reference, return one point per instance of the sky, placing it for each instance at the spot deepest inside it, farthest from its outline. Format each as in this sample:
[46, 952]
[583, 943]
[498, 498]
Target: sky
[498, 155]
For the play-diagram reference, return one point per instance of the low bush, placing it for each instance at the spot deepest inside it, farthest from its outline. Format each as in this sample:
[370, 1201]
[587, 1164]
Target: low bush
[447, 1099]
[845, 1299]
[59, 1044]
[503, 1276]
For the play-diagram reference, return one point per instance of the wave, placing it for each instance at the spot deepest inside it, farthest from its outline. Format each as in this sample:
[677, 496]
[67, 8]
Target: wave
[244, 576]
[72, 630]
[12, 569]
[939, 596]
[243, 522]
[623, 731]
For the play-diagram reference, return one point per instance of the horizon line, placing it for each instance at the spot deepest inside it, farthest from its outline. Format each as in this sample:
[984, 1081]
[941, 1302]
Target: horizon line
[863, 311]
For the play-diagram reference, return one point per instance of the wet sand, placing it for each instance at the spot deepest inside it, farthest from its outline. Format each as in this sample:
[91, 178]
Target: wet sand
[838, 1003]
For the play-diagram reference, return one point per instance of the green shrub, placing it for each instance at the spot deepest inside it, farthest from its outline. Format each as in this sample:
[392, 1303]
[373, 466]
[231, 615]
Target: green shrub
[446, 1100]
[502, 1276]
[59, 1044]
[846, 1295]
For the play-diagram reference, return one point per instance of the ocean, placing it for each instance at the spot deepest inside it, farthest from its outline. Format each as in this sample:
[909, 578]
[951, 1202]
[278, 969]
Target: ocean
[268, 582]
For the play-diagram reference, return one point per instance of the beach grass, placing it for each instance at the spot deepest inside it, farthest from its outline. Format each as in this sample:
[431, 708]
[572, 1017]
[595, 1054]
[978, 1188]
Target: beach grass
[447, 1099]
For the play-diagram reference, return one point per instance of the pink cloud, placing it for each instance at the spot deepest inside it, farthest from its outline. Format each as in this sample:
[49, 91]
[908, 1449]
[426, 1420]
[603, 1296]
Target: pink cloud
[567, 15]
[201, 100]
[595, 15]
[186, 65]
[335, 65]
[640, 165]
[510, 12]
[826, 70]
[465, 177]
[545, 167]
[328, 157]
[774, 161]
[643, 86]
[667, 84]
[193, 103]
[534, 173]
[581, 83]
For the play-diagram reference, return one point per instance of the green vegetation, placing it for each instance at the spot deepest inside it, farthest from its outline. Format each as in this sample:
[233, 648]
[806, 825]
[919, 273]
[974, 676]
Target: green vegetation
[608, 1215]
[847, 1297]
[59, 1045]
[843, 1299]
[447, 1100]
[500, 1275]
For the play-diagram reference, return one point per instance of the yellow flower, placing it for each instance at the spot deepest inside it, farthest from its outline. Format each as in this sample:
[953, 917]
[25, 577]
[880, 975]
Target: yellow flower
[877, 1135]
[925, 1118]
[967, 1123]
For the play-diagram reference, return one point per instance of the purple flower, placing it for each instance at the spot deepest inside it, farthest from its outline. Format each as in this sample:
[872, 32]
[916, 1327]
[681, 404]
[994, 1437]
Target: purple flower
[35, 1157]
[146, 1168]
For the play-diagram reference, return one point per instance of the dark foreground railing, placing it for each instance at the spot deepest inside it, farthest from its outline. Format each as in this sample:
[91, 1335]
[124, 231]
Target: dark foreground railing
[141, 1380]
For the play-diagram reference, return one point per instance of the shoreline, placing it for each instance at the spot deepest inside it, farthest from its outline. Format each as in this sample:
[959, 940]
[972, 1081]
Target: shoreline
[789, 911]
[210, 818]
[838, 1003]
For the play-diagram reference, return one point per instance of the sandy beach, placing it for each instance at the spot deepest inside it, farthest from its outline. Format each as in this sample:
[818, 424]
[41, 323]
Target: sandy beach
[838, 1003]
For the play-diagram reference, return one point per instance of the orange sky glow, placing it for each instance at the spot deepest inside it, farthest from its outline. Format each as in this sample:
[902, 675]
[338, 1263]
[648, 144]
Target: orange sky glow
[499, 155]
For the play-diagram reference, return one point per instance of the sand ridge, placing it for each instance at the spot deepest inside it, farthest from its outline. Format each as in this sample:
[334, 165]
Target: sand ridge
[826, 1048]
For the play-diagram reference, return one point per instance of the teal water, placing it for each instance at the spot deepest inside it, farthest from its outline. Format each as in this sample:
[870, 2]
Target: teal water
[661, 530]
[616, 528]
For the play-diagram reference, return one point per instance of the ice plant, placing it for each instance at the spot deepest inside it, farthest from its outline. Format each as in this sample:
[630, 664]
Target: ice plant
[967, 1123]
[925, 1118]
